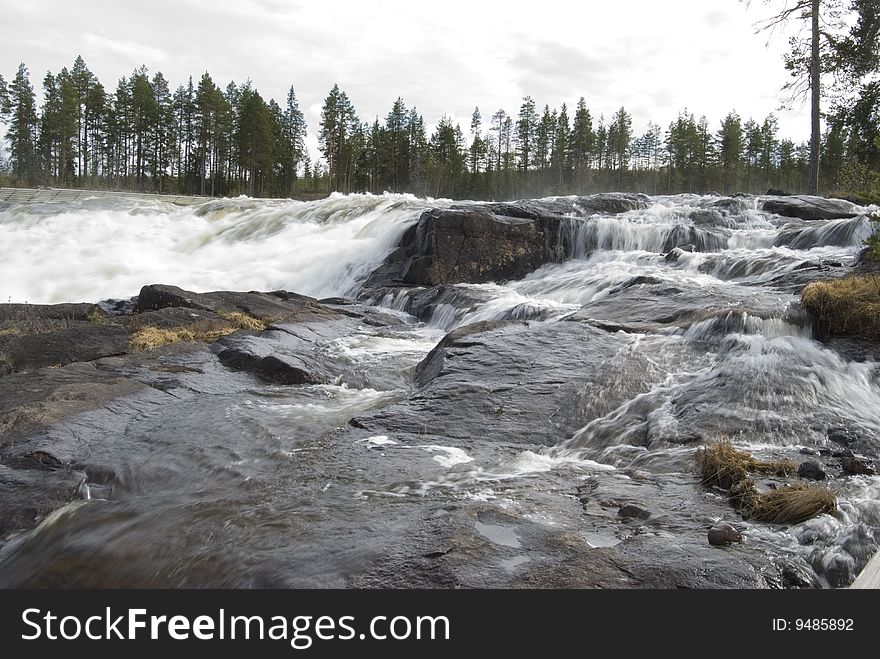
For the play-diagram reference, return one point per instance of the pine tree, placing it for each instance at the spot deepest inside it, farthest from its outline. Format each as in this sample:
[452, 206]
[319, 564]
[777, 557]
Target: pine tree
[753, 147]
[844, 38]
[254, 142]
[478, 147]
[418, 153]
[58, 129]
[544, 138]
[84, 83]
[562, 149]
[619, 138]
[209, 104]
[22, 133]
[497, 125]
[162, 137]
[143, 121]
[393, 148]
[583, 142]
[768, 146]
[294, 133]
[526, 129]
[729, 144]
[448, 159]
[4, 98]
[184, 120]
[338, 118]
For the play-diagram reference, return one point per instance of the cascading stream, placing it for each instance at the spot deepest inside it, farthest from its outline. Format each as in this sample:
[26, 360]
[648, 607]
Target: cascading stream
[688, 331]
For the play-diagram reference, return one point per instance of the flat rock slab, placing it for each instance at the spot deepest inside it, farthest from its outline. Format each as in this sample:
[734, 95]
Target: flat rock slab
[272, 307]
[33, 313]
[37, 400]
[80, 342]
[807, 207]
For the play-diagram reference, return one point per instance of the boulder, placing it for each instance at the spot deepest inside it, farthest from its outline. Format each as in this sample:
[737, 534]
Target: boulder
[807, 207]
[811, 470]
[723, 534]
[478, 243]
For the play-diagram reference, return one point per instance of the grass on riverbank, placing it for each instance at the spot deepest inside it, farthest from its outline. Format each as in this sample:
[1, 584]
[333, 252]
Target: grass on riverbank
[150, 337]
[722, 465]
[845, 307]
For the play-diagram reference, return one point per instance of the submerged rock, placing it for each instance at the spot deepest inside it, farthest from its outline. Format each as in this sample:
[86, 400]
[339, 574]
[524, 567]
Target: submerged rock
[632, 511]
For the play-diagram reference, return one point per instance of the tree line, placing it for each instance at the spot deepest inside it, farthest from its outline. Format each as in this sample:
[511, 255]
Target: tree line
[201, 139]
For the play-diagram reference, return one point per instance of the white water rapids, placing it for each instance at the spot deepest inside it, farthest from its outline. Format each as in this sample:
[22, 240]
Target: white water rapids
[106, 247]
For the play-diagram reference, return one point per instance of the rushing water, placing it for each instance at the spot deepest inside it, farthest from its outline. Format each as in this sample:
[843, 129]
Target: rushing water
[252, 485]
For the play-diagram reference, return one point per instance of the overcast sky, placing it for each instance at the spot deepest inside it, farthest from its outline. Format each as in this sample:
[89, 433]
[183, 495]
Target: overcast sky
[444, 57]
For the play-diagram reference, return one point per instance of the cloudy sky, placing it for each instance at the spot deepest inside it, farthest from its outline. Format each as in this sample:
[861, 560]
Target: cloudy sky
[444, 57]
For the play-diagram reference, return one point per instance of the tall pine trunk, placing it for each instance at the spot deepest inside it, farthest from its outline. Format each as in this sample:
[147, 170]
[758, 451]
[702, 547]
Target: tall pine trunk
[813, 181]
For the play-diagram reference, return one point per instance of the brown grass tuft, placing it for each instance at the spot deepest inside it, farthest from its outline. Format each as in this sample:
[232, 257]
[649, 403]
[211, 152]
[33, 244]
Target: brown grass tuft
[243, 321]
[845, 307]
[150, 337]
[722, 465]
[792, 504]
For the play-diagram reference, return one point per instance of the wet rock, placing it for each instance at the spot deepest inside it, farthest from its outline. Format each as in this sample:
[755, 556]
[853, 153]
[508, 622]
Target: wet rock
[707, 217]
[80, 342]
[432, 365]
[273, 307]
[632, 511]
[32, 315]
[489, 242]
[808, 207]
[698, 239]
[811, 470]
[585, 490]
[119, 307]
[797, 574]
[269, 368]
[36, 400]
[806, 450]
[852, 465]
[842, 436]
[171, 318]
[271, 360]
[774, 192]
[723, 534]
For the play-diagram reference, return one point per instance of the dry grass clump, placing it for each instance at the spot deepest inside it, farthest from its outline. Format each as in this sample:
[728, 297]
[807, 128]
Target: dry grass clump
[845, 307]
[722, 465]
[243, 321]
[149, 337]
[792, 504]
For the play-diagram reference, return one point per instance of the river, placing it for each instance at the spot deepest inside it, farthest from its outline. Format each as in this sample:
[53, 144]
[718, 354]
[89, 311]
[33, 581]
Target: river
[625, 359]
